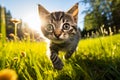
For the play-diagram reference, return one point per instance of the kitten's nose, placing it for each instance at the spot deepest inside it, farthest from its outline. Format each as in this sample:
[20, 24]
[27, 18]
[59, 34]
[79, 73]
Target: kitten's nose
[57, 33]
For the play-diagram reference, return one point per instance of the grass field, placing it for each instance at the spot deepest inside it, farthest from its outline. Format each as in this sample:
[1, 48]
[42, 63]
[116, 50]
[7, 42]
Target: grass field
[95, 59]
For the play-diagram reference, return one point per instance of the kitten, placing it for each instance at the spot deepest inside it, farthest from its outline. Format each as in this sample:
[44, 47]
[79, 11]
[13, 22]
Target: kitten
[60, 28]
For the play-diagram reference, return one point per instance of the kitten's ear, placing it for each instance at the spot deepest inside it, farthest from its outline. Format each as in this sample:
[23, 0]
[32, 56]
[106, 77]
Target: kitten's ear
[42, 11]
[74, 11]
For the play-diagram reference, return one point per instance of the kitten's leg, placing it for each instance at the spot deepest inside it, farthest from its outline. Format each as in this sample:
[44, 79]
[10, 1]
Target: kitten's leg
[69, 53]
[71, 50]
[57, 63]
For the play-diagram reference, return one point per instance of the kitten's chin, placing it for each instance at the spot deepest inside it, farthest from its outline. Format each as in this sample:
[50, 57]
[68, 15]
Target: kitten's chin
[58, 41]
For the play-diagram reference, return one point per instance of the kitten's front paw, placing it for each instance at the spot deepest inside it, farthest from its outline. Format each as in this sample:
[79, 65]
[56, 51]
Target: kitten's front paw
[67, 56]
[58, 64]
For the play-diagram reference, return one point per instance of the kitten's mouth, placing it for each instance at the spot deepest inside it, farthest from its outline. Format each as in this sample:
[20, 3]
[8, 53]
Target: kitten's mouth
[58, 40]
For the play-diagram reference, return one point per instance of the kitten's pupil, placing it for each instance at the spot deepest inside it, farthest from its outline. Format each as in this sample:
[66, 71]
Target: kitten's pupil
[49, 27]
[66, 26]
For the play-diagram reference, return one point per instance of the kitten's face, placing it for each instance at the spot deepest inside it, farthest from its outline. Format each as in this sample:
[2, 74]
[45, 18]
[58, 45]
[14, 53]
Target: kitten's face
[58, 26]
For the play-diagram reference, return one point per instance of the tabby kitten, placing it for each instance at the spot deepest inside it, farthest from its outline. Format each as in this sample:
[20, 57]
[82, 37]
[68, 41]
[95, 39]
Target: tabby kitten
[60, 28]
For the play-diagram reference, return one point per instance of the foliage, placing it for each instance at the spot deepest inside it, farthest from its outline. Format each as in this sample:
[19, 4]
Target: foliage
[95, 59]
[94, 23]
[102, 12]
[116, 12]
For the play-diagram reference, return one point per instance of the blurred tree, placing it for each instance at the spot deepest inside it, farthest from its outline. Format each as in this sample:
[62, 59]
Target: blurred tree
[101, 12]
[3, 25]
[9, 25]
[115, 6]
[98, 13]
[91, 21]
[23, 29]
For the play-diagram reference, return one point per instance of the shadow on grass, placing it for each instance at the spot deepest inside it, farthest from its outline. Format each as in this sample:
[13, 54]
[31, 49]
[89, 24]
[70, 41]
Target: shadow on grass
[91, 68]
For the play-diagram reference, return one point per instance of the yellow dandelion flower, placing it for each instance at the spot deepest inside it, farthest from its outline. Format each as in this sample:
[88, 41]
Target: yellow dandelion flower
[8, 74]
[15, 58]
[23, 54]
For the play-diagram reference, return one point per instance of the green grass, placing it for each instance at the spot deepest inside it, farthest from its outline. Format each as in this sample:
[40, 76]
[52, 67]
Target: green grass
[95, 59]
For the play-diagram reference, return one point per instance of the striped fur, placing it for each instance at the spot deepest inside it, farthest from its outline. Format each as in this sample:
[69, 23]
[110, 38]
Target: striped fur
[57, 16]
[60, 28]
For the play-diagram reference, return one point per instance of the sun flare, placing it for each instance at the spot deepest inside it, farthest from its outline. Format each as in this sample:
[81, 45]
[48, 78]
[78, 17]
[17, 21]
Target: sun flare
[33, 21]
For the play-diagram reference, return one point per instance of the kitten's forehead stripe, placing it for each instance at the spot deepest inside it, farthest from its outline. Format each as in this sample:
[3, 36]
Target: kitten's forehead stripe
[61, 15]
[53, 16]
[57, 16]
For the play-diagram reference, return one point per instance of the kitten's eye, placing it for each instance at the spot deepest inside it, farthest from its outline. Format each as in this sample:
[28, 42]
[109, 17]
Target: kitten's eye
[66, 26]
[49, 27]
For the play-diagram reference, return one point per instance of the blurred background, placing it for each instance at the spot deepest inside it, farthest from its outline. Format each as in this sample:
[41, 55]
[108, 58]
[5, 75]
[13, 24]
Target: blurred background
[96, 17]
[22, 49]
